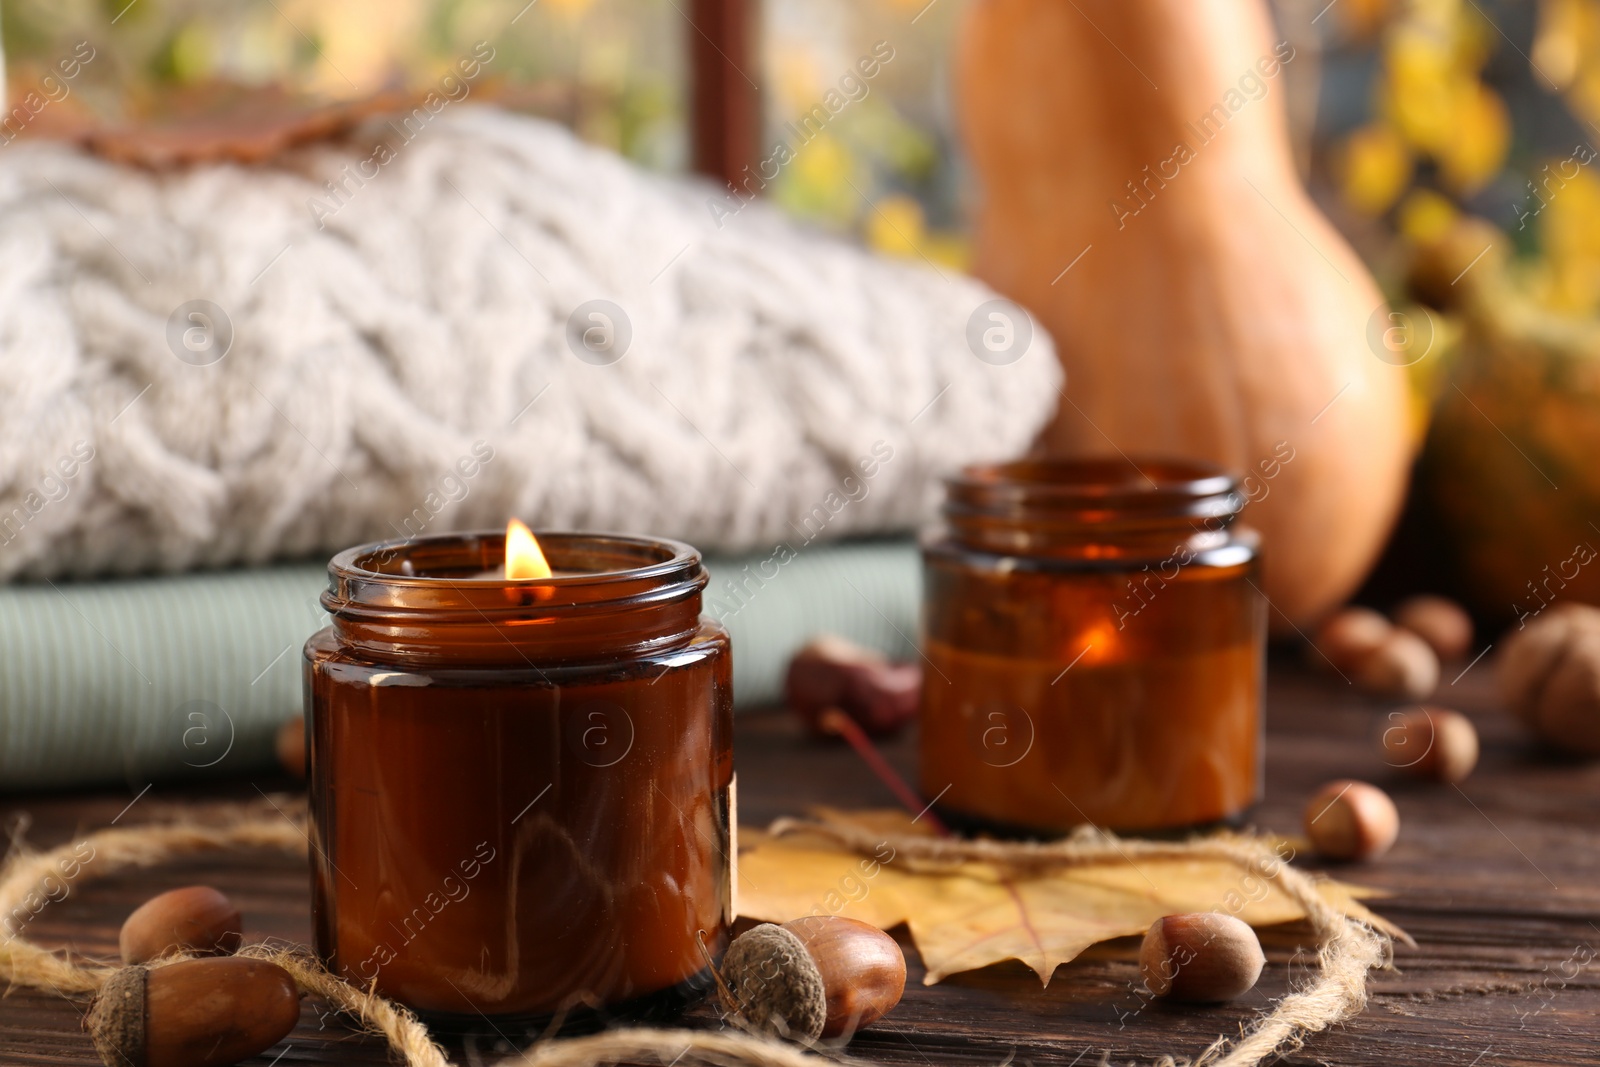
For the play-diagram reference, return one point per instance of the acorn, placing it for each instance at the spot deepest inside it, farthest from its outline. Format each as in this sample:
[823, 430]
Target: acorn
[1434, 743]
[197, 920]
[193, 1013]
[831, 672]
[1441, 622]
[1350, 820]
[1203, 957]
[816, 977]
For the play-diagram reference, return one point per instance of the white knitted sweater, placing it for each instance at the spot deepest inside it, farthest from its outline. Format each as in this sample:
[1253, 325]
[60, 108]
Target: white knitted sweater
[381, 350]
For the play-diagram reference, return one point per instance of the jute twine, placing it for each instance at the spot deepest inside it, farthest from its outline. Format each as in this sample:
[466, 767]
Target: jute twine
[1347, 948]
[29, 878]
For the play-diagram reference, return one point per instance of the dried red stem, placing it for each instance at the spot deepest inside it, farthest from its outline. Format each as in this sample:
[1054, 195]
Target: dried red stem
[835, 721]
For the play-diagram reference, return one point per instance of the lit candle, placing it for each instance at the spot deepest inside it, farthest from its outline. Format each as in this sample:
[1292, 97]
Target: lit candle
[524, 558]
[521, 805]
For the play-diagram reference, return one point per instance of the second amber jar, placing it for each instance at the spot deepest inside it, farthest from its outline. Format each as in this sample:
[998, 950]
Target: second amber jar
[1095, 648]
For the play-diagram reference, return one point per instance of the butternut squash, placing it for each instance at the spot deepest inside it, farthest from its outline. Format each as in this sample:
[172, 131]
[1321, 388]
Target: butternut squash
[1210, 310]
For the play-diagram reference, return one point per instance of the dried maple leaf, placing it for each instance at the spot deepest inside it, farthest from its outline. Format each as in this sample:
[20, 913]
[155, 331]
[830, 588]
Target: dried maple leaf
[223, 122]
[966, 915]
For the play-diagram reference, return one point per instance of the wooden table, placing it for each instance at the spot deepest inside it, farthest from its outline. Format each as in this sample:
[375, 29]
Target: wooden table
[1498, 880]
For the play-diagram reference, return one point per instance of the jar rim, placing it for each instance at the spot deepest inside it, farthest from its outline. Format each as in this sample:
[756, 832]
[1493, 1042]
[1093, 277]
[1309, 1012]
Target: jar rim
[442, 579]
[1094, 488]
[558, 545]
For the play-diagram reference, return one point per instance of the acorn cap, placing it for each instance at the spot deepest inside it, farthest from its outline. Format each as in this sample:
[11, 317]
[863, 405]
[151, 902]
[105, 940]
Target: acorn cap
[774, 983]
[116, 1019]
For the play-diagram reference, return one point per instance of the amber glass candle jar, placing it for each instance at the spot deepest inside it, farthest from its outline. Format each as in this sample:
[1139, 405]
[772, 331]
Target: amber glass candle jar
[521, 792]
[1095, 648]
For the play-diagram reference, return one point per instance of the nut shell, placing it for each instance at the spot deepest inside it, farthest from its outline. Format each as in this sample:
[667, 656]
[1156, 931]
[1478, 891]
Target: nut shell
[1549, 674]
[820, 976]
[863, 970]
[1569, 711]
[1441, 622]
[196, 919]
[1349, 636]
[1431, 742]
[1350, 820]
[193, 1013]
[1203, 957]
[1403, 666]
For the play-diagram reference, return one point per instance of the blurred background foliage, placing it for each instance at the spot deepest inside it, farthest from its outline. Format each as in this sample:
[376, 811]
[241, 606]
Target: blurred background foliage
[1423, 108]
[1450, 140]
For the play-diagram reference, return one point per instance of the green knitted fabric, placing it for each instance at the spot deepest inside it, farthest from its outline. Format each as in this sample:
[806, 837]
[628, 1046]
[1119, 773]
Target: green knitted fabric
[147, 679]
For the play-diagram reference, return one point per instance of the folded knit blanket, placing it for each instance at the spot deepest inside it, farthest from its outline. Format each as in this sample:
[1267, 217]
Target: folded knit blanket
[481, 316]
[150, 679]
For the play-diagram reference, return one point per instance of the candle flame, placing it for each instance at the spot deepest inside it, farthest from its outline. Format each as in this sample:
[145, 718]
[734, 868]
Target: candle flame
[524, 558]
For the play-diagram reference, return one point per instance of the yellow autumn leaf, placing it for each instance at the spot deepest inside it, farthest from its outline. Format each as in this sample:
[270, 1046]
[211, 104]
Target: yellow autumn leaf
[1375, 166]
[966, 915]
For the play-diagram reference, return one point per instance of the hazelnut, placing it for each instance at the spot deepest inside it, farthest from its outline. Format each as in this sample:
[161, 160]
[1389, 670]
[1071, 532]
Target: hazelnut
[1203, 956]
[1349, 820]
[815, 977]
[831, 672]
[196, 919]
[1550, 676]
[1441, 622]
[1432, 743]
[1402, 666]
[193, 1013]
[1349, 636]
[291, 746]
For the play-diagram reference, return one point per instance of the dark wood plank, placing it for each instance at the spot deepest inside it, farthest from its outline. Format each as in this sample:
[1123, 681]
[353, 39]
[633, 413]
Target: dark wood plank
[1499, 881]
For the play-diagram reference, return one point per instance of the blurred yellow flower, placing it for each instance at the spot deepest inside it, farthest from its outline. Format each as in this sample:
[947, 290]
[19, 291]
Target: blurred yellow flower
[1566, 31]
[1584, 94]
[359, 42]
[817, 183]
[1421, 87]
[1425, 217]
[192, 53]
[949, 250]
[895, 225]
[1374, 167]
[1476, 150]
[1569, 229]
